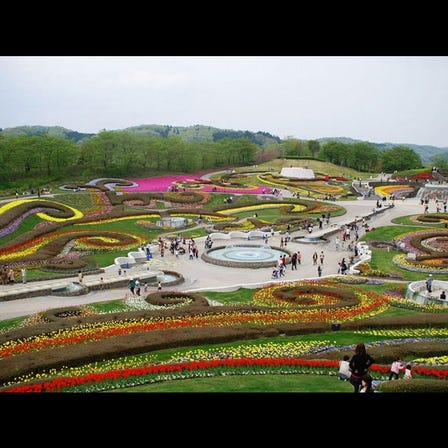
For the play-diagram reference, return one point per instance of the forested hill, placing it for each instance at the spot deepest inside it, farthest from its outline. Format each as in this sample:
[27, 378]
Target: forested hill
[55, 131]
[200, 133]
[197, 133]
[426, 152]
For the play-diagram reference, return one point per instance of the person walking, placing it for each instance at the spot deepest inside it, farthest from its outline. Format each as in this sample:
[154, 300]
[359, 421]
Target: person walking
[322, 257]
[24, 272]
[137, 287]
[294, 261]
[429, 281]
[359, 366]
[132, 286]
[395, 368]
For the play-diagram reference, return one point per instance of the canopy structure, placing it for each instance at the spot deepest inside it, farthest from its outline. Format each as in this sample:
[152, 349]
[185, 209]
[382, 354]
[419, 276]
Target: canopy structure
[297, 173]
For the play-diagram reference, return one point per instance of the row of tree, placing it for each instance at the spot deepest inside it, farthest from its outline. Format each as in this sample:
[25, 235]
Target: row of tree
[360, 156]
[123, 154]
[116, 154]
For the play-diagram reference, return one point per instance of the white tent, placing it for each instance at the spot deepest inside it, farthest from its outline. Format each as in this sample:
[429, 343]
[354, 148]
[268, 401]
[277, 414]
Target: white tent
[298, 173]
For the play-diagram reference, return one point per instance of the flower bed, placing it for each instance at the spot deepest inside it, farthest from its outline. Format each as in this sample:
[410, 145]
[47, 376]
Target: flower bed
[430, 248]
[164, 183]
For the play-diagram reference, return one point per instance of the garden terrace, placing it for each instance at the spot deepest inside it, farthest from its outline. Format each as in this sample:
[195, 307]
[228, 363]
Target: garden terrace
[142, 342]
[277, 314]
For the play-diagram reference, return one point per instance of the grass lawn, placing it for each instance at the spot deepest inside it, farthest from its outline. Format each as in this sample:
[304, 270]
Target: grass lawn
[217, 199]
[191, 233]
[382, 260]
[11, 323]
[249, 384]
[242, 295]
[316, 165]
[388, 233]
[108, 307]
[265, 214]
[27, 224]
[80, 200]
[407, 220]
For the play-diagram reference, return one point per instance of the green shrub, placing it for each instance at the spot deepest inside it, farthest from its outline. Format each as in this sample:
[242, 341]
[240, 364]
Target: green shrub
[414, 385]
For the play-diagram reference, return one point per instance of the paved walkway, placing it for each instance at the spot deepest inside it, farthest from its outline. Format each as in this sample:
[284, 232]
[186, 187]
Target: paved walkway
[201, 276]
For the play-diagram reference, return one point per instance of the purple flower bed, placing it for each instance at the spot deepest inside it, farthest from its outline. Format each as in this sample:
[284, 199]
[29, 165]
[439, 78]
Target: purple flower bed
[16, 223]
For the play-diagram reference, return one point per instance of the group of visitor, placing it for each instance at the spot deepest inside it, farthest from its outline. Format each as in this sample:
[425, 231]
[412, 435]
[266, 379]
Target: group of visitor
[7, 275]
[356, 369]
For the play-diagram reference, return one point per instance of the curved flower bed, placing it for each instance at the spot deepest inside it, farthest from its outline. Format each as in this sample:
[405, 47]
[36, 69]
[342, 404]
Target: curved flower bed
[314, 187]
[431, 218]
[46, 246]
[175, 298]
[190, 181]
[341, 302]
[430, 248]
[432, 265]
[367, 304]
[280, 304]
[397, 190]
[13, 213]
[48, 243]
[130, 377]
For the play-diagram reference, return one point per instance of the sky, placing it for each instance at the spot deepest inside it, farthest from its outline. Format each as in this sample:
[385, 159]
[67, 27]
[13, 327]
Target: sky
[379, 99]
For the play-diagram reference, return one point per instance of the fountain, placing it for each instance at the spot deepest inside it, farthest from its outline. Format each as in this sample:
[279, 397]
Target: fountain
[72, 289]
[167, 278]
[245, 255]
[416, 292]
[430, 191]
[310, 239]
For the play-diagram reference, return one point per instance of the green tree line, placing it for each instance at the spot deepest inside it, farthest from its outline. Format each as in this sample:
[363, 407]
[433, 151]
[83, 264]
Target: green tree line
[115, 154]
[360, 156]
[124, 154]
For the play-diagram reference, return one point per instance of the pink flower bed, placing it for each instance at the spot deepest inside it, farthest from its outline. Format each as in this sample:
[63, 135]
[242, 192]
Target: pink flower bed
[163, 183]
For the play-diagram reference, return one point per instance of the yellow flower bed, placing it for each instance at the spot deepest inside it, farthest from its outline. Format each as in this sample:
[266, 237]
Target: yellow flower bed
[76, 213]
[387, 190]
[123, 218]
[244, 225]
[430, 264]
[437, 360]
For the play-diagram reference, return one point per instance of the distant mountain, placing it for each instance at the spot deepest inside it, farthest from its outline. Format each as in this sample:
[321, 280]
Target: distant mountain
[426, 152]
[200, 133]
[196, 133]
[56, 131]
